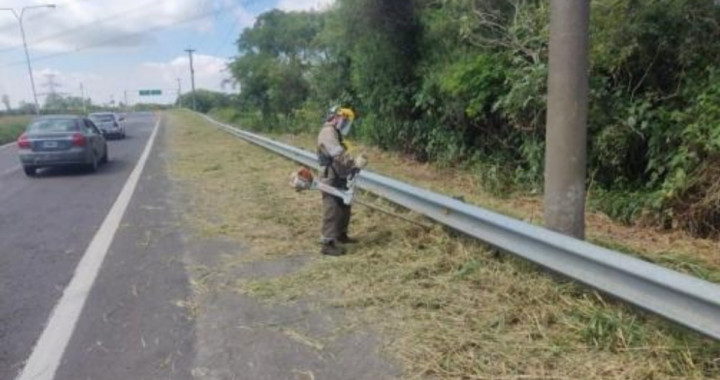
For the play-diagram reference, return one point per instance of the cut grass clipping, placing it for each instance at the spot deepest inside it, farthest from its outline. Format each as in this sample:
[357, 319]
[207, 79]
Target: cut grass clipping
[446, 306]
[673, 249]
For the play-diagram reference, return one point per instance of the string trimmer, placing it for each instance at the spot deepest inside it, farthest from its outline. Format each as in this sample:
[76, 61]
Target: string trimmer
[303, 179]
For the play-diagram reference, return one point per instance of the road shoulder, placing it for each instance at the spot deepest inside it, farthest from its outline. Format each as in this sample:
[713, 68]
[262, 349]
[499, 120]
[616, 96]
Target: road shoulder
[240, 336]
[442, 305]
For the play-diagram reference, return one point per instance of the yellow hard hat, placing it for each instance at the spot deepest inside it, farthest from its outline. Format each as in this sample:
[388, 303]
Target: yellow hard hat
[347, 113]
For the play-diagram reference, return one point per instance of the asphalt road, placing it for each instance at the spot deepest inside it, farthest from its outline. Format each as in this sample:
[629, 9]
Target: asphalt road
[132, 325]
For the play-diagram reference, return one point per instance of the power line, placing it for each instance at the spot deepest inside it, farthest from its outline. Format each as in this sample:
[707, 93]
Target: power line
[81, 27]
[119, 38]
[41, 16]
[232, 30]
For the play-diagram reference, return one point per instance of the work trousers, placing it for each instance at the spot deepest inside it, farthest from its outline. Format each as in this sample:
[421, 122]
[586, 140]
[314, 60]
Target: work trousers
[336, 218]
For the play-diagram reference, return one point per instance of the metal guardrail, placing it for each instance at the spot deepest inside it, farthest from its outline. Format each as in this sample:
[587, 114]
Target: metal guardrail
[686, 300]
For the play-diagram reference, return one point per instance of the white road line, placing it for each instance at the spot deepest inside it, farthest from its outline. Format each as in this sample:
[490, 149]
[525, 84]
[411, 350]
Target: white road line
[49, 349]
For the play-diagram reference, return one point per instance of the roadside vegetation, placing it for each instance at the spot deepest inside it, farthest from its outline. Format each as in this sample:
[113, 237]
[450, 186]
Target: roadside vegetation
[11, 127]
[464, 83]
[447, 307]
[674, 249]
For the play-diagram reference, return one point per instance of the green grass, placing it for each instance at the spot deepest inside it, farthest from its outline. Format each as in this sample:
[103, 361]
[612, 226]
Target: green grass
[11, 127]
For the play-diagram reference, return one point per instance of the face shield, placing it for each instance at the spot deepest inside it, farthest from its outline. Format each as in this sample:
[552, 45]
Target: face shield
[344, 126]
[345, 123]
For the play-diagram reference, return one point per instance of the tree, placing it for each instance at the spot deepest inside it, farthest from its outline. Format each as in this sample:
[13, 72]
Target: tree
[205, 99]
[26, 108]
[63, 103]
[466, 81]
[275, 56]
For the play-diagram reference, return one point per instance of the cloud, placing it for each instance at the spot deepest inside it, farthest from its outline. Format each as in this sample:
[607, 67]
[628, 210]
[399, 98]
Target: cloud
[209, 74]
[304, 5]
[105, 44]
[76, 24]
[102, 85]
[209, 70]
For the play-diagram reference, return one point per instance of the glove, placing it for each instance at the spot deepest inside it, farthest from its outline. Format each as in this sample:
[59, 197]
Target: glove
[361, 161]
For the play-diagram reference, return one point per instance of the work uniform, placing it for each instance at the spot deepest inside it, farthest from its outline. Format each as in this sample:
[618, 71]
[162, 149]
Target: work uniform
[336, 166]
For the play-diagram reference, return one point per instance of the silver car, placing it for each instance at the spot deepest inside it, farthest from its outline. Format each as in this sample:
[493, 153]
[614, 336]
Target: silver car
[109, 123]
[61, 140]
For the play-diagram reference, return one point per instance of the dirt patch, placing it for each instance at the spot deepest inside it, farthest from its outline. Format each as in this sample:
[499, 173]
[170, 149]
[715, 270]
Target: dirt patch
[447, 307]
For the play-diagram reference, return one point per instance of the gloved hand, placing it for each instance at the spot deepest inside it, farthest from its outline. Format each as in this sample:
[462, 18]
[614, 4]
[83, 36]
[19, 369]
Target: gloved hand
[361, 161]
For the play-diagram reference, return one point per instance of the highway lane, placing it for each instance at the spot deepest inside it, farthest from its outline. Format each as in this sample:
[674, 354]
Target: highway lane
[137, 323]
[46, 223]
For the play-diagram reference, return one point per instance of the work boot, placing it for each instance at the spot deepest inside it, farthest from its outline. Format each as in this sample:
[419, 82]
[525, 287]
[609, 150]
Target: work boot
[331, 249]
[344, 239]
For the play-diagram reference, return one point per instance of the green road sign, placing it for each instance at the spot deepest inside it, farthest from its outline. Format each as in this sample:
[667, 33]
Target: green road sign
[150, 92]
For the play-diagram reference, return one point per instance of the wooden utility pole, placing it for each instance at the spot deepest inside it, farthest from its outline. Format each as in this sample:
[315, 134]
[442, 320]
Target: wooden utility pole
[192, 77]
[566, 138]
[179, 93]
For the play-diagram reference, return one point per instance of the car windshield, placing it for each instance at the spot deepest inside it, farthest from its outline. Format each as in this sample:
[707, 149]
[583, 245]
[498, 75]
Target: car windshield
[53, 125]
[102, 118]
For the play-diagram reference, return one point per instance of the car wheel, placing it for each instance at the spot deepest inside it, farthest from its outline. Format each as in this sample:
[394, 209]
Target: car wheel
[93, 166]
[105, 158]
[30, 171]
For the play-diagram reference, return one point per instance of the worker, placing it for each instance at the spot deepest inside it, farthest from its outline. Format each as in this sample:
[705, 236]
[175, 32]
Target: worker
[336, 166]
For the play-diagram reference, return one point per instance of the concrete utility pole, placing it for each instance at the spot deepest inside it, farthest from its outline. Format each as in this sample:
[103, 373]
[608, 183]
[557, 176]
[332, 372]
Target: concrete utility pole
[126, 102]
[19, 18]
[566, 139]
[82, 98]
[179, 93]
[192, 77]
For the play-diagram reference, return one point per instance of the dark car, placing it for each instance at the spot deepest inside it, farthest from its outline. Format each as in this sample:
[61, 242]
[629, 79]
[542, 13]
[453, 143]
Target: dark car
[109, 123]
[61, 140]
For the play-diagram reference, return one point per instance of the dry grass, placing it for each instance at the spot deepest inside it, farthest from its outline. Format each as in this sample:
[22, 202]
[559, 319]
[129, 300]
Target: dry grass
[675, 249]
[448, 307]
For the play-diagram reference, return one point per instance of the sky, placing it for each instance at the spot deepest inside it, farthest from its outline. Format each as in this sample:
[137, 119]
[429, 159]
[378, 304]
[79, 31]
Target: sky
[110, 49]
